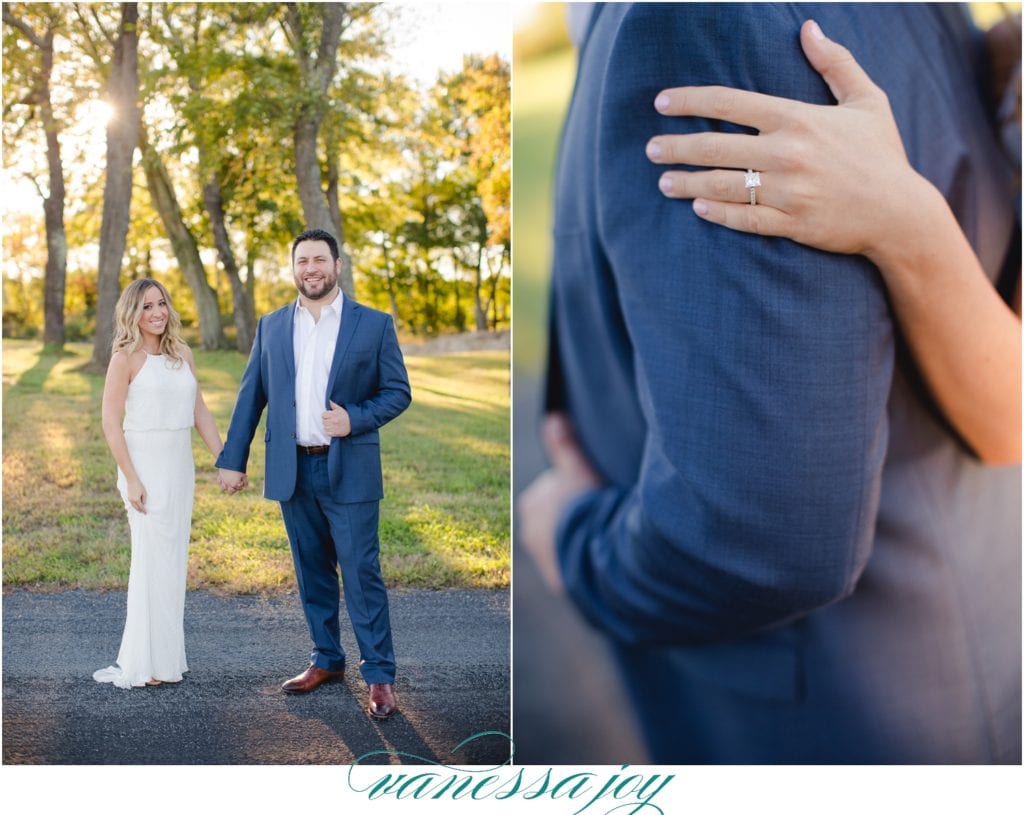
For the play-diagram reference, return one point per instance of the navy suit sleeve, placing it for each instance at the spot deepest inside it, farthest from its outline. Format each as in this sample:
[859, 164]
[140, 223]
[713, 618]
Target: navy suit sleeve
[762, 369]
[393, 394]
[249, 405]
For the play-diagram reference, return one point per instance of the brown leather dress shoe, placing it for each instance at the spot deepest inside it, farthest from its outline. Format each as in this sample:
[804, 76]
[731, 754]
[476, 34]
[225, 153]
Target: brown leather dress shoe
[382, 701]
[311, 679]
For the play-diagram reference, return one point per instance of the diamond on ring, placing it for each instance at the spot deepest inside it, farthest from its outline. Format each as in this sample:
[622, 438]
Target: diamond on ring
[752, 180]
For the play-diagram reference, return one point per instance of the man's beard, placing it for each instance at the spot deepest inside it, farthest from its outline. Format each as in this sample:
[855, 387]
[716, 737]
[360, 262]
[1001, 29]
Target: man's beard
[328, 285]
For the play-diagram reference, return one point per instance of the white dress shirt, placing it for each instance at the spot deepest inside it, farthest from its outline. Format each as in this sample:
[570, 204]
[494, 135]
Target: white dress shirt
[314, 342]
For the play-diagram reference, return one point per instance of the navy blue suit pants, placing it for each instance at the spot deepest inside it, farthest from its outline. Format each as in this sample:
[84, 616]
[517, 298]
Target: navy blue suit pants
[325, 534]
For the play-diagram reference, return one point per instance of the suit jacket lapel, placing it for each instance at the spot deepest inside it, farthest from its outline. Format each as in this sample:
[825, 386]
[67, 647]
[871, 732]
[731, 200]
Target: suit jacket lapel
[349, 318]
[289, 343]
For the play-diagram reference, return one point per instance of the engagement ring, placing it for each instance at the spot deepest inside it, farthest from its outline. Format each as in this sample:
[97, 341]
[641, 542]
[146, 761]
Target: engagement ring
[752, 180]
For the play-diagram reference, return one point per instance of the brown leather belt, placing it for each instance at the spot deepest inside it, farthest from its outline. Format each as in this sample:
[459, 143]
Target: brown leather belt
[319, 450]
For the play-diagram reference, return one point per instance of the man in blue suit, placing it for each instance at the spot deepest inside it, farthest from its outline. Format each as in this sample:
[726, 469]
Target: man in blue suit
[752, 494]
[330, 373]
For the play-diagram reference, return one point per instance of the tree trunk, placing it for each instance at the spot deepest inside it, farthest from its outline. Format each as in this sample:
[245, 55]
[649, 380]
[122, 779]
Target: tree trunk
[242, 304]
[53, 203]
[186, 251]
[479, 311]
[334, 208]
[122, 136]
[250, 270]
[307, 170]
[316, 74]
[495, 279]
[53, 211]
[459, 325]
[391, 283]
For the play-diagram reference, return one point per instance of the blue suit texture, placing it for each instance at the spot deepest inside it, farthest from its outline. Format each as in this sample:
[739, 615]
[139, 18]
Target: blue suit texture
[795, 557]
[329, 503]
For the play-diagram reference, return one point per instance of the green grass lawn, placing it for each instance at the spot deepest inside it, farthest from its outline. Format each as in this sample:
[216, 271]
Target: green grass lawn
[444, 519]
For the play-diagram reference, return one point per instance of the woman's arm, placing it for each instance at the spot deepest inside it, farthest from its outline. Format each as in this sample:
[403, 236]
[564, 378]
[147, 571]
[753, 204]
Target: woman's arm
[205, 424]
[965, 339]
[837, 178]
[115, 394]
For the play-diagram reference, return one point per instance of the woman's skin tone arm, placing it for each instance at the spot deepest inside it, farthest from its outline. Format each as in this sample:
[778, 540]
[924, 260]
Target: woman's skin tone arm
[205, 424]
[115, 394]
[836, 177]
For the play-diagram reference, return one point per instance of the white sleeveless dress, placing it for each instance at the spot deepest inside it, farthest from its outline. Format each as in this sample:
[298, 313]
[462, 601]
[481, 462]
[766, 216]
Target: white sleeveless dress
[159, 415]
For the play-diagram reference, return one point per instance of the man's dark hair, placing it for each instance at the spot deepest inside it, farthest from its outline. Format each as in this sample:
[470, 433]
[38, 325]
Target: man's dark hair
[316, 235]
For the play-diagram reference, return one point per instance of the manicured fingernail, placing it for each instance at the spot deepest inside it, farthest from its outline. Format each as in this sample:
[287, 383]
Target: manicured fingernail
[816, 32]
[700, 208]
[661, 103]
[665, 184]
[653, 150]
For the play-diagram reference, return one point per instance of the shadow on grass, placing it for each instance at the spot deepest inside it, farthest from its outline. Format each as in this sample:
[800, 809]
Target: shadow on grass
[445, 517]
[33, 379]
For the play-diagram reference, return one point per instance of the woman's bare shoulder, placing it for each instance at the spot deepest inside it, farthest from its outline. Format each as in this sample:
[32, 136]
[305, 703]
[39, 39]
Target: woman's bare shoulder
[127, 364]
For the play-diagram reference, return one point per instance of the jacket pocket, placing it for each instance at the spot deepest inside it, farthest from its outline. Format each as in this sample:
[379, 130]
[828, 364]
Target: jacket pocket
[371, 437]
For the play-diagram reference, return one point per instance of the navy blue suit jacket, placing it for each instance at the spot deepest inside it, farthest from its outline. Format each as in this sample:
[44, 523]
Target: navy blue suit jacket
[367, 378]
[795, 557]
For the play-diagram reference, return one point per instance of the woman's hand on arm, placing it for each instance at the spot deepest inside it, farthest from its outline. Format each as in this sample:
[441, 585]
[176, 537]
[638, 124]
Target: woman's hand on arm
[836, 177]
[115, 394]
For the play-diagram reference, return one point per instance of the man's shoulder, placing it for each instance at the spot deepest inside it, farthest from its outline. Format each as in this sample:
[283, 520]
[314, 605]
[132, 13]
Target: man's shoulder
[711, 26]
[376, 316]
[276, 316]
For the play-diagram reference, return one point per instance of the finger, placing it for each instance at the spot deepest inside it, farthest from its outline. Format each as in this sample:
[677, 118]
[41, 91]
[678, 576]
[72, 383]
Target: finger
[560, 443]
[334, 405]
[710, 150]
[728, 186]
[846, 79]
[728, 105]
[756, 220]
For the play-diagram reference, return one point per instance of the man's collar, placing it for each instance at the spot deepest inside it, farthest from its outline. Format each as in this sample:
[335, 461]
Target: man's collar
[335, 305]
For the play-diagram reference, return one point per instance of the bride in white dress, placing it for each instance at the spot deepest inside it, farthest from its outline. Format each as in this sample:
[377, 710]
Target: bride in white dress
[151, 401]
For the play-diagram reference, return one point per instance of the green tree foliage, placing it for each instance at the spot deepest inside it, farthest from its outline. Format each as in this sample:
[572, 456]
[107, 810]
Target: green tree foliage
[435, 217]
[415, 182]
[474, 109]
[33, 43]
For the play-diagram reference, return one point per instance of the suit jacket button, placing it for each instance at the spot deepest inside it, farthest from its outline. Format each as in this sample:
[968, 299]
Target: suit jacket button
[293, 435]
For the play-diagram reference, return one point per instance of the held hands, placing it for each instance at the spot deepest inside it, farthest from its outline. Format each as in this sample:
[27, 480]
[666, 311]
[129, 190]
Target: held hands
[231, 481]
[542, 503]
[336, 421]
[834, 177]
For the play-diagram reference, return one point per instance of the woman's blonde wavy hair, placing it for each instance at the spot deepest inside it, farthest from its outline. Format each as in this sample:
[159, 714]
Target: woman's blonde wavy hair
[128, 313]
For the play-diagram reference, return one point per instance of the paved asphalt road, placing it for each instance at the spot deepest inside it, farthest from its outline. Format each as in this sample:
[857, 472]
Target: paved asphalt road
[453, 682]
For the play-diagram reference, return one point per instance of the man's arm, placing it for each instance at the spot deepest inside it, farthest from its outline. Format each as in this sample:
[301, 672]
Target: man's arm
[393, 394]
[762, 369]
[249, 405]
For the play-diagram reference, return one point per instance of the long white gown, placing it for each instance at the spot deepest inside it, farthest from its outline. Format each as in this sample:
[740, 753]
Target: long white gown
[159, 415]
